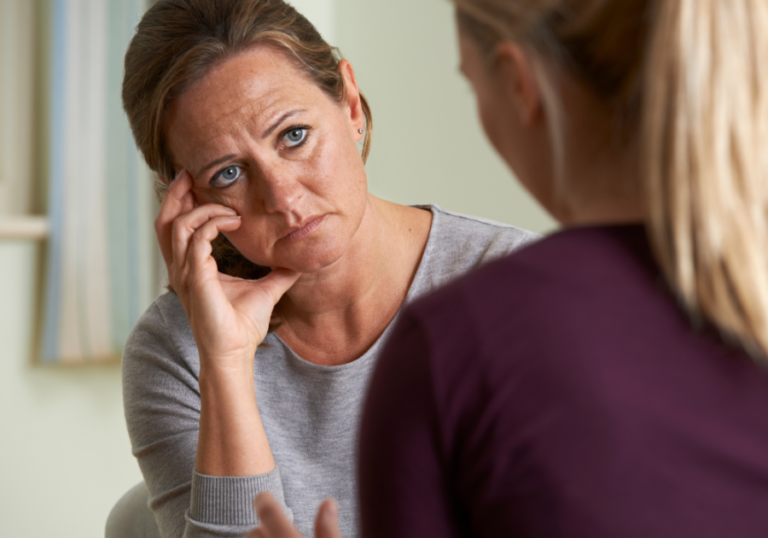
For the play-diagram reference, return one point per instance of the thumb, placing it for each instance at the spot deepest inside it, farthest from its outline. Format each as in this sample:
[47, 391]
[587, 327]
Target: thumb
[327, 520]
[276, 283]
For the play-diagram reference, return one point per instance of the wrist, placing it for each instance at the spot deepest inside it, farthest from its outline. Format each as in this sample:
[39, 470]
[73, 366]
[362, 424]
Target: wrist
[226, 366]
[231, 378]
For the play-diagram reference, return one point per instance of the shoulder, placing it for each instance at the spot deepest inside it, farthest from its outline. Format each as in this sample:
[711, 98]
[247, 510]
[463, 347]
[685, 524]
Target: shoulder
[459, 243]
[558, 280]
[569, 349]
[164, 318]
[161, 335]
[482, 238]
[568, 295]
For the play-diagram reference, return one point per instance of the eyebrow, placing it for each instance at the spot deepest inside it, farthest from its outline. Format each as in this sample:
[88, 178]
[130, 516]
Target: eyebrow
[211, 164]
[279, 121]
[266, 133]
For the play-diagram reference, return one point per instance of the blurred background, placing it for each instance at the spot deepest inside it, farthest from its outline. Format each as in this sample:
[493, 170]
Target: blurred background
[77, 259]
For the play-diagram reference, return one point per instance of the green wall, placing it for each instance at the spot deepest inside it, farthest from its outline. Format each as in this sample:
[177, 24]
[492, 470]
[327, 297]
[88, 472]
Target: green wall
[428, 145]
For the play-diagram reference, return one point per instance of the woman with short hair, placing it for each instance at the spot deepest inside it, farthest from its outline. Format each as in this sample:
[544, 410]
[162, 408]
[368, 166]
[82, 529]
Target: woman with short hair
[286, 272]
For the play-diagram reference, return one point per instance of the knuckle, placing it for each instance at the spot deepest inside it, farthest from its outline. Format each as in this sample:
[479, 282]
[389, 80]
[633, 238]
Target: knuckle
[199, 236]
[272, 292]
[178, 228]
[160, 223]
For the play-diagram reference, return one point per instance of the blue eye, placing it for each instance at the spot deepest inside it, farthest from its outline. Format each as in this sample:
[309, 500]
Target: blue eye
[295, 137]
[226, 177]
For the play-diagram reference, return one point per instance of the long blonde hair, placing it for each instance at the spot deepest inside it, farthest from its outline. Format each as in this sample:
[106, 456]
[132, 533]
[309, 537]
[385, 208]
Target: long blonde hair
[686, 82]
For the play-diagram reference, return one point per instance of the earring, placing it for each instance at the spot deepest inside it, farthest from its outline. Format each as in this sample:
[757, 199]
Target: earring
[360, 131]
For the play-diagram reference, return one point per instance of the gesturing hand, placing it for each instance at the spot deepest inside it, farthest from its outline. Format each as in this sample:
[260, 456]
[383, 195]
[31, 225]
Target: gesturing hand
[229, 316]
[274, 524]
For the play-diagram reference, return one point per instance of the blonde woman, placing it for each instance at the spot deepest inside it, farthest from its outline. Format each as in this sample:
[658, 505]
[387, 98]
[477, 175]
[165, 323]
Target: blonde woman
[287, 273]
[610, 380]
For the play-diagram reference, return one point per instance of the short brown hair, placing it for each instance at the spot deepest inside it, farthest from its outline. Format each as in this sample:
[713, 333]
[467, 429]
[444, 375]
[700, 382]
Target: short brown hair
[178, 42]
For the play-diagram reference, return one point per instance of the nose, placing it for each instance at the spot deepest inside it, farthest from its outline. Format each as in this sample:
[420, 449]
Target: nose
[280, 189]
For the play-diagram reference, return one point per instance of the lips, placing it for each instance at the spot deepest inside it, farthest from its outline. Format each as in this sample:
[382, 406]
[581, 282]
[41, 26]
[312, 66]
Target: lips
[306, 229]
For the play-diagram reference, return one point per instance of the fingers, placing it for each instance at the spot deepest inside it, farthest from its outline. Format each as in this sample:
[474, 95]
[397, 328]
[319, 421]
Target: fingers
[274, 523]
[277, 282]
[180, 226]
[327, 520]
[193, 235]
[187, 225]
[178, 201]
[178, 218]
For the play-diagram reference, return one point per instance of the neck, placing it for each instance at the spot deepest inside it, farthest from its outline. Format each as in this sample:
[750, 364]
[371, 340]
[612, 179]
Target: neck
[600, 183]
[605, 195]
[333, 315]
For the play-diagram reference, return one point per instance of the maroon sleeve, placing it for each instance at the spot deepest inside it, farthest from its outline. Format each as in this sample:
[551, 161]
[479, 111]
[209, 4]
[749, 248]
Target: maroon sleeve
[402, 489]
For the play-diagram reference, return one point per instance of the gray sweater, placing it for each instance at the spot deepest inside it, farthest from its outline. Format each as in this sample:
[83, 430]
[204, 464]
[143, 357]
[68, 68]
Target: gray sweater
[310, 412]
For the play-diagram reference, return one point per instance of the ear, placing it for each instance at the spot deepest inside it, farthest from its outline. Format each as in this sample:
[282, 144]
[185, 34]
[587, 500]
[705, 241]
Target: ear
[518, 81]
[352, 99]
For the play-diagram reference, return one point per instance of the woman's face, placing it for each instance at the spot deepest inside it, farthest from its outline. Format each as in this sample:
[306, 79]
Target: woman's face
[258, 136]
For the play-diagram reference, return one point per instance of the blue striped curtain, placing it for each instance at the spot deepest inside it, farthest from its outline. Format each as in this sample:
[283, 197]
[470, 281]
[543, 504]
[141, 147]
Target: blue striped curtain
[101, 264]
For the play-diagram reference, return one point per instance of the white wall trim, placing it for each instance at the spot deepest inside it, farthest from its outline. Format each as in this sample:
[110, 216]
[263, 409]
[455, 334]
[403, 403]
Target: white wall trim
[24, 227]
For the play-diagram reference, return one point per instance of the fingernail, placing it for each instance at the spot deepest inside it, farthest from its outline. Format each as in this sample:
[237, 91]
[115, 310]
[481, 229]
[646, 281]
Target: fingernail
[333, 509]
[179, 174]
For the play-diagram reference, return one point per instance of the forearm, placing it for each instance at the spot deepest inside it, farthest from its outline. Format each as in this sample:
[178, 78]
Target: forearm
[232, 440]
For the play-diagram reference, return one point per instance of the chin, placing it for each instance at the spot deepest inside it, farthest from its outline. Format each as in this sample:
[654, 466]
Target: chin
[308, 257]
[315, 258]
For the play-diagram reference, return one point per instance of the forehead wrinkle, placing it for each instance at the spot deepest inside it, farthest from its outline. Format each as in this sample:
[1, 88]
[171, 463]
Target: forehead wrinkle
[211, 149]
[247, 105]
[227, 140]
[223, 131]
[249, 114]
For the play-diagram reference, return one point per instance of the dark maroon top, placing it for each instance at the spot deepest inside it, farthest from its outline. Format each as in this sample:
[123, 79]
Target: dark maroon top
[560, 392]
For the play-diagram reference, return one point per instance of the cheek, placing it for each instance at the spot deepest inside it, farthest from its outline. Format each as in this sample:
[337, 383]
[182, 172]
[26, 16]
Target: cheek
[490, 120]
[243, 197]
[225, 197]
[339, 173]
[488, 110]
[253, 240]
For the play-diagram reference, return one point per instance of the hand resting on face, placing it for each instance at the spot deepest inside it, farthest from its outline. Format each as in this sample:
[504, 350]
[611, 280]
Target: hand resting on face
[229, 316]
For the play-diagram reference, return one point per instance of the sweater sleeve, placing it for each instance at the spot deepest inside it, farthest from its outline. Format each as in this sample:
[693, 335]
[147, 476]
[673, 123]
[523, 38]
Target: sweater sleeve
[401, 465]
[162, 409]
